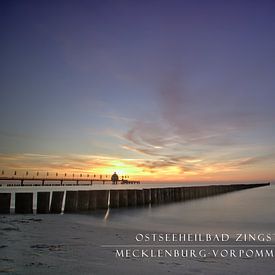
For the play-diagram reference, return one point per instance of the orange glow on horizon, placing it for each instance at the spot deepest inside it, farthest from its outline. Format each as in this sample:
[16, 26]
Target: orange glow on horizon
[138, 169]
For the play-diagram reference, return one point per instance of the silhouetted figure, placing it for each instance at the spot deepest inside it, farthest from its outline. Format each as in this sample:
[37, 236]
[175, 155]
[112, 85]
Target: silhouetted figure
[114, 178]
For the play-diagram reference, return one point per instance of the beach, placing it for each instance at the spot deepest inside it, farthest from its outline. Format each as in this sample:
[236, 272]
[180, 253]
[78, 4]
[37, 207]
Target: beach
[88, 243]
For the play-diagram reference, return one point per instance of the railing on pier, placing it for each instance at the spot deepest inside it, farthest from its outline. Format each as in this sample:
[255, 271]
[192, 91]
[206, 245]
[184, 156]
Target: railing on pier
[25, 181]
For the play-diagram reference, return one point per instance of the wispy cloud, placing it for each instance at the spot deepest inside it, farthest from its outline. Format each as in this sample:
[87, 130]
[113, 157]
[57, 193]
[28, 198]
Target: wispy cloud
[183, 132]
[44, 162]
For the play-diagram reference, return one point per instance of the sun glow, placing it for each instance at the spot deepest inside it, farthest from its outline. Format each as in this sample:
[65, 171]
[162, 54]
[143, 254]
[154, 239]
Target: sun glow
[140, 169]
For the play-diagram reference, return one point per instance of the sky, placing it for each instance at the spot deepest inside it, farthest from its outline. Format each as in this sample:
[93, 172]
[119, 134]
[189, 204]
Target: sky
[158, 90]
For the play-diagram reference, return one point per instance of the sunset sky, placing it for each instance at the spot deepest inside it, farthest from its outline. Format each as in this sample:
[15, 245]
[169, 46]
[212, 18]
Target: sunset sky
[170, 90]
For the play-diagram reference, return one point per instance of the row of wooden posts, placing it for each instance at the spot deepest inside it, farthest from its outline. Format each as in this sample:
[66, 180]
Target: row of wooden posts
[56, 174]
[83, 201]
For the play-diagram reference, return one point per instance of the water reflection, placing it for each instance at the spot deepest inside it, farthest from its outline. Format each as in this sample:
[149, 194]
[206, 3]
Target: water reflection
[248, 210]
[107, 214]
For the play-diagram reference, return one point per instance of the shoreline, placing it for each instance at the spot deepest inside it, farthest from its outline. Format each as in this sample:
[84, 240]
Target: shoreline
[74, 244]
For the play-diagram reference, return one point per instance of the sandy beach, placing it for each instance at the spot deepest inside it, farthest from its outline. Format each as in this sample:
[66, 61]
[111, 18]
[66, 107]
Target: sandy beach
[73, 244]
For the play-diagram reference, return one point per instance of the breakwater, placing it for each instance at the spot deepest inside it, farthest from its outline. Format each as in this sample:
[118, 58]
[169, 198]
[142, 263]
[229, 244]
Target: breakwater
[66, 200]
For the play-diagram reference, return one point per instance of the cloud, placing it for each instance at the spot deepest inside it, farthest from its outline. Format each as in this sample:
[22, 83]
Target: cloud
[250, 161]
[146, 134]
[44, 162]
[180, 164]
[173, 127]
[118, 118]
[189, 126]
[146, 151]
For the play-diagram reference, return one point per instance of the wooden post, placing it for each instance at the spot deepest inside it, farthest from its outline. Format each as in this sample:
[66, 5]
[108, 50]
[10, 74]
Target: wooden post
[132, 198]
[114, 198]
[24, 203]
[71, 202]
[208, 191]
[160, 195]
[182, 190]
[92, 200]
[177, 194]
[83, 200]
[211, 190]
[187, 193]
[140, 197]
[123, 198]
[147, 196]
[5, 202]
[101, 199]
[56, 203]
[192, 193]
[154, 196]
[166, 197]
[172, 194]
[43, 201]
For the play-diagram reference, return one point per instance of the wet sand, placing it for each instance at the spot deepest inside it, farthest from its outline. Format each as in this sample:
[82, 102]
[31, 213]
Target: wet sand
[72, 244]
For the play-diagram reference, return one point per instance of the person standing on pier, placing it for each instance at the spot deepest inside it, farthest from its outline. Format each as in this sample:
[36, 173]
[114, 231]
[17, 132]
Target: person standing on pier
[114, 178]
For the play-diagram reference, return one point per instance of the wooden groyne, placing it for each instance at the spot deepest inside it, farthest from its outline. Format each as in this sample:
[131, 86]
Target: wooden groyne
[74, 201]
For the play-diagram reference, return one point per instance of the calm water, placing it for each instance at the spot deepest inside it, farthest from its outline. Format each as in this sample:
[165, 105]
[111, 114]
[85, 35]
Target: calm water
[251, 210]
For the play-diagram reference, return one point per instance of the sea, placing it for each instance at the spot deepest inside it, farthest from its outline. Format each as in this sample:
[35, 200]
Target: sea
[249, 210]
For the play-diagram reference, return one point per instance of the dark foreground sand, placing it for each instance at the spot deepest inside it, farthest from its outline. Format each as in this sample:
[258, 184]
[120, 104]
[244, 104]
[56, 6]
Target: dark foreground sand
[72, 244]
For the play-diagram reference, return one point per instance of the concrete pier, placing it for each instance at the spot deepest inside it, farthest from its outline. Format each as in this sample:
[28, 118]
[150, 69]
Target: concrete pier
[43, 202]
[5, 202]
[24, 203]
[56, 203]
